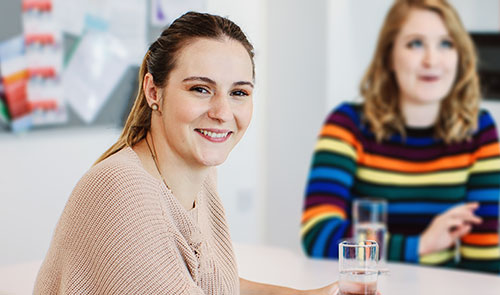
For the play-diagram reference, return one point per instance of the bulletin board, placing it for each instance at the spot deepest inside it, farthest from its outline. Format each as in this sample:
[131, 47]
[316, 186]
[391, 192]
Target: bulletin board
[133, 31]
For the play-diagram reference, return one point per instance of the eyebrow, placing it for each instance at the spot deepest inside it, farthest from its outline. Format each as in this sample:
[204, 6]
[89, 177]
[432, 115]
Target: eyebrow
[413, 35]
[210, 81]
[240, 83]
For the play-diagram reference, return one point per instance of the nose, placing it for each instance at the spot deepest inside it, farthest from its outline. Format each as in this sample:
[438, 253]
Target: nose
[430, 57]
[220, 108]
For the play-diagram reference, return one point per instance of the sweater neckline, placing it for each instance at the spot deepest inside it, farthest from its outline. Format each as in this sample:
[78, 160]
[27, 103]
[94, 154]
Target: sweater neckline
[420, 131]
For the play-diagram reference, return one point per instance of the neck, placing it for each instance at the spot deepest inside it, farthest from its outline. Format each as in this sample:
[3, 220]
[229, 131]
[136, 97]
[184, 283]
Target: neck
[183, 179]
[420, 115]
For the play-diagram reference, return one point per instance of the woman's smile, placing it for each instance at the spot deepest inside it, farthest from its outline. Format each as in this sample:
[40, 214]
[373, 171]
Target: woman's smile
[214, 135]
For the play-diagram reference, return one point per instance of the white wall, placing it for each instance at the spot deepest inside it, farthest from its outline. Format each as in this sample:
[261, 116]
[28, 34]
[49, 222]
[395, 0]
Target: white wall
[295, 109]
[352, 33]
[38, 172]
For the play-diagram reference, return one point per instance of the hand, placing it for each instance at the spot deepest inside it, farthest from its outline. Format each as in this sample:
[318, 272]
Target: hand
[447, 227]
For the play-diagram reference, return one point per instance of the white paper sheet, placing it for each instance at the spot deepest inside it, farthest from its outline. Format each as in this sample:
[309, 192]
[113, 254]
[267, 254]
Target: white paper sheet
[94, 70]
[127, 21]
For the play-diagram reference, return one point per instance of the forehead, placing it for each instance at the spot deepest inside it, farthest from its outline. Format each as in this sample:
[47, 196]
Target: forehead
[423, 22]
[214, 58]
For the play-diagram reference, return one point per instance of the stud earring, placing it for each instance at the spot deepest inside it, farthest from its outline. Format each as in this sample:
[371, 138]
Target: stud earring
[154, 106]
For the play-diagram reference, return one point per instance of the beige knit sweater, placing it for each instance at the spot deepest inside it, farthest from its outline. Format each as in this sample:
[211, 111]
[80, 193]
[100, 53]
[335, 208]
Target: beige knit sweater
[123, 232]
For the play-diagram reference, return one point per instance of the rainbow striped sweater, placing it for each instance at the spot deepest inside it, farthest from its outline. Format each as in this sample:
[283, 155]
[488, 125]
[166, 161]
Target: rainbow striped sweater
[419, 176]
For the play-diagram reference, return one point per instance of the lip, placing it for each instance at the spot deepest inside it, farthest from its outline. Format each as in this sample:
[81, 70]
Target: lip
[429, 78]
[201, 132]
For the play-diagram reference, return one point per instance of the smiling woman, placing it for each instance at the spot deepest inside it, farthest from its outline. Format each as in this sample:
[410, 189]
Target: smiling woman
[418, 140]
[146, 218]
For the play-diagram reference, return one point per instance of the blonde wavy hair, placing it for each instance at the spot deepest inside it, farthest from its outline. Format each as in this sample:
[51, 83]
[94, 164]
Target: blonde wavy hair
[459, 109]
[160, 60]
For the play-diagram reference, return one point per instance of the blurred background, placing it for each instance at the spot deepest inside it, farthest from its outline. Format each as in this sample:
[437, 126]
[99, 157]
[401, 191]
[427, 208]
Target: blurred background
[310, 56]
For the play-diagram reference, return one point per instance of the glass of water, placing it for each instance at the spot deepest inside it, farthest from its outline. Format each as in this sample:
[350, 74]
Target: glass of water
[370, 222]
[358, 267]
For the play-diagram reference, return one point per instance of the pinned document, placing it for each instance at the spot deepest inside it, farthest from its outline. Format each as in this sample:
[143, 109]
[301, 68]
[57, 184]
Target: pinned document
[44, 57]
[95, 68]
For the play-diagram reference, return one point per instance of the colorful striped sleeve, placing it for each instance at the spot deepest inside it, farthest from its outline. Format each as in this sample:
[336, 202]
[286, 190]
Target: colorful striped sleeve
[480, 248]
[326, 208]
[326, 218]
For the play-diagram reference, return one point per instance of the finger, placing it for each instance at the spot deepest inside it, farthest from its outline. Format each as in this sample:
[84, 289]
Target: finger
[470, 217]
[461, 231]
[463, 207]
[472, 205]
[466, 215]
[474, 219]
[452, 224]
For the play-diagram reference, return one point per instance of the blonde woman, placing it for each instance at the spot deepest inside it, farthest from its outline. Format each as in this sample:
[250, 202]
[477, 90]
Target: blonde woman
[420, 141]
[146, 218]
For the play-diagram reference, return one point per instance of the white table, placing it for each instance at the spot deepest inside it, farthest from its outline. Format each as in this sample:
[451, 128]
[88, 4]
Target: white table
[283, 267]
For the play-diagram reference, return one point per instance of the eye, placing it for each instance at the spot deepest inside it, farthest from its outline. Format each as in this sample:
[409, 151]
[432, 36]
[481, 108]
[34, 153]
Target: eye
[415, 43]
[239, 93]
[447, 44]
[200, 89]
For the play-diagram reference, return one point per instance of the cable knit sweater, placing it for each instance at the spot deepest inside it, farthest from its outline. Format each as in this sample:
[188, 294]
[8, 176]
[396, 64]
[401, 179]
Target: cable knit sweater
[123, 232]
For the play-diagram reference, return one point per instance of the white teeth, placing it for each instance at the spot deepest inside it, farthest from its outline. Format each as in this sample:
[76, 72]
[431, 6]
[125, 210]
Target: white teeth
[213, 134]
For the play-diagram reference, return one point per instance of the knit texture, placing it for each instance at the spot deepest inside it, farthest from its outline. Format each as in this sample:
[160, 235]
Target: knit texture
[123, 232]
[419, 176]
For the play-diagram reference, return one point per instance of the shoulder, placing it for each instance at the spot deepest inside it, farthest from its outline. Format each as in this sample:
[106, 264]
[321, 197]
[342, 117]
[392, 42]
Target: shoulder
[113, 183]
[122, 168]
[347, 116]
[346, 111]
[485, 120]
[486, 131]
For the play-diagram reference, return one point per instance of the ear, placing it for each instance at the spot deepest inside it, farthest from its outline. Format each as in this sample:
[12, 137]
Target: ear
[151, 91]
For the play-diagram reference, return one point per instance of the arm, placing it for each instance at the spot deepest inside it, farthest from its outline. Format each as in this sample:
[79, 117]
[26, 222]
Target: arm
[480, 248]
[254, 288]
[327, 202]
[109, 241]
[332, 181]
[476, 222]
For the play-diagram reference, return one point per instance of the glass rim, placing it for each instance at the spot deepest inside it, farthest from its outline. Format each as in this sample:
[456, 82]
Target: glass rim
[359, 244]
[370, 200]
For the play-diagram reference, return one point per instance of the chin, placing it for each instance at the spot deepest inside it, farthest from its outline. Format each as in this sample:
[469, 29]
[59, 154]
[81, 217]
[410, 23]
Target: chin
[431, 97]
[212, 161]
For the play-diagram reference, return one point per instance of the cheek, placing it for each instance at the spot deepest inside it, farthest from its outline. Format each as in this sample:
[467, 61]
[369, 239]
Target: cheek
[404, 64]
[244, 115]
[452, 63]
[188, 112]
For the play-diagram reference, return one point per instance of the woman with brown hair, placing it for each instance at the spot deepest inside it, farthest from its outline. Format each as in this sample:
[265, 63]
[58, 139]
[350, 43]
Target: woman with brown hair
[146, 218]
[420, 141]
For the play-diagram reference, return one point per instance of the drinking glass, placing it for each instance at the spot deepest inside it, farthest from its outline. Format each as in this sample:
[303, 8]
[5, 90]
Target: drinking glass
[370, 222]
[358, 267]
